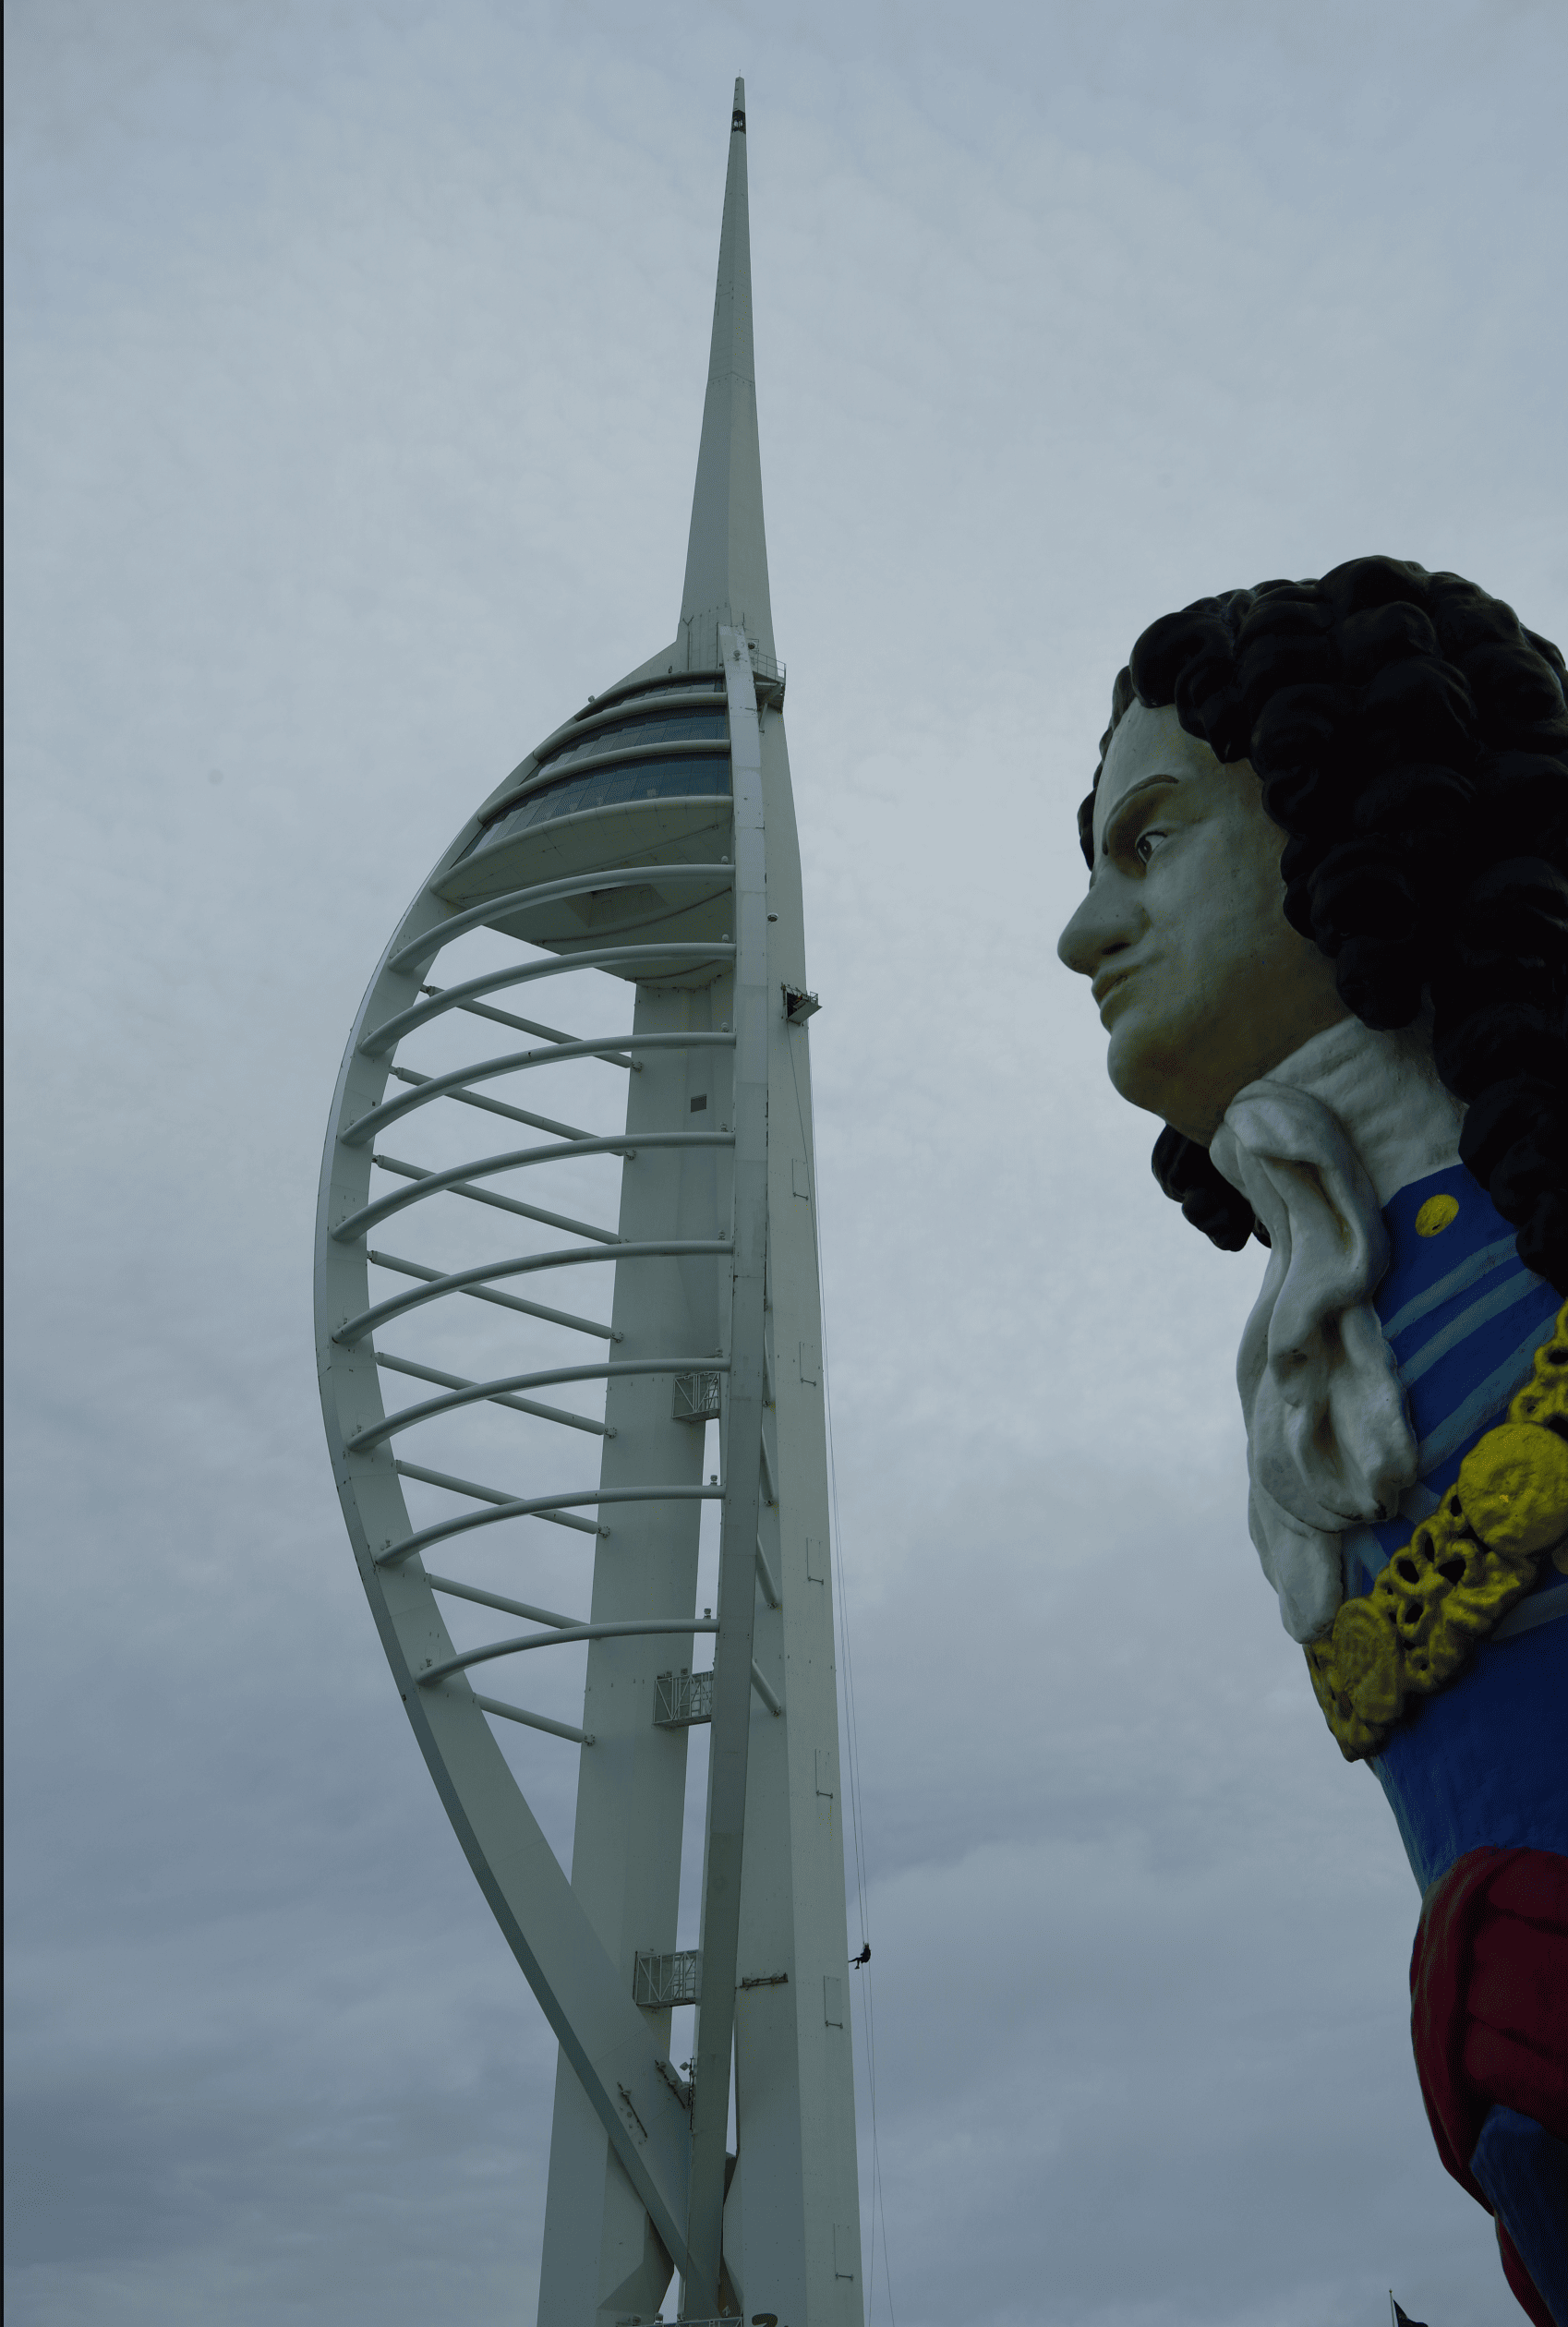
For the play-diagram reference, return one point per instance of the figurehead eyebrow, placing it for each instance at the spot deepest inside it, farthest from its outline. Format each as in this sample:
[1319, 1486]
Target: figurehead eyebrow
[1145, 784]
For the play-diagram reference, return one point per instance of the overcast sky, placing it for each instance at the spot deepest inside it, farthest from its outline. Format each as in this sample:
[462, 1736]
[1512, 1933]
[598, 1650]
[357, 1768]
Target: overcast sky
[356, 358]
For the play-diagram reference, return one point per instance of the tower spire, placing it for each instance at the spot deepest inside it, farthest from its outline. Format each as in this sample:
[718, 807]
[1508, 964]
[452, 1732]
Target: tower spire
[727, 551]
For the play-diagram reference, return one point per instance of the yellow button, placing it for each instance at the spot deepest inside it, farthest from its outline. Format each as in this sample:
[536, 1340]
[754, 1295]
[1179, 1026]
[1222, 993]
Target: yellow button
[1436, 1214]
[1513, 1489]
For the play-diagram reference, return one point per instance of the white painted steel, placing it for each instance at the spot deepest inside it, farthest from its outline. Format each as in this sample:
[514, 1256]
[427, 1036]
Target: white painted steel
[588, 2001]
[517, 1160]
[512, 1062]
[355, 1328]
[796, 2172]
[697, 905]
[729, 1736]
[619, 958]
[665, 1627]
[498, 1393]
[498, 1106]
[599, 2260]
[573, 1735]
[559, 1513]
[437, 928]
[501, 1300]
[527, 1507]
[410, 1366]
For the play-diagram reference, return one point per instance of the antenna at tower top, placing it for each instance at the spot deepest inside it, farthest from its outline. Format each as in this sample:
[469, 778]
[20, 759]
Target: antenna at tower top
[727, 551]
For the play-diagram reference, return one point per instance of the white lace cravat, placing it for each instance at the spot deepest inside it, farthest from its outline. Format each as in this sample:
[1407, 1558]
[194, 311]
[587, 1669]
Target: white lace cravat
[1328, 1443]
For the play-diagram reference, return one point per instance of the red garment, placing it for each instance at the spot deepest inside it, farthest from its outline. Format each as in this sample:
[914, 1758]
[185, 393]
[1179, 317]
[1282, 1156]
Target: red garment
[1489, 2011]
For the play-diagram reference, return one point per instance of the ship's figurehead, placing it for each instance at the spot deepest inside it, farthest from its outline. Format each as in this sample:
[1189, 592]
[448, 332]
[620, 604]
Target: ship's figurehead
[1327, 932]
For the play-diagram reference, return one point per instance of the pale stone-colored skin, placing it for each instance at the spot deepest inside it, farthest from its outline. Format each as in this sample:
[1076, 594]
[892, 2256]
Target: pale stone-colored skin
[1200, 980]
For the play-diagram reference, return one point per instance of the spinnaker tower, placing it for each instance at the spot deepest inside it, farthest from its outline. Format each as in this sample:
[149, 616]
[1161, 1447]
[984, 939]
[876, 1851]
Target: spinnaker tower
[649, 838]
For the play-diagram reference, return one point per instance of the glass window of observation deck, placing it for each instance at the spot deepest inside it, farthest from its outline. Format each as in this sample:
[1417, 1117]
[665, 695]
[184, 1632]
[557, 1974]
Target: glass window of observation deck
[705, 778]
[646, 726]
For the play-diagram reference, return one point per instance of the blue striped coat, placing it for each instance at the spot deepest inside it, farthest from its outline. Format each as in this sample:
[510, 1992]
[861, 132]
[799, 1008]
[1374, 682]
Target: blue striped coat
[1485, 1760]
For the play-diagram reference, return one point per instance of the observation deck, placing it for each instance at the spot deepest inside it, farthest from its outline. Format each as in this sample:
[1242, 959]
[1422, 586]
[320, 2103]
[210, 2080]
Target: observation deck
[639, 776]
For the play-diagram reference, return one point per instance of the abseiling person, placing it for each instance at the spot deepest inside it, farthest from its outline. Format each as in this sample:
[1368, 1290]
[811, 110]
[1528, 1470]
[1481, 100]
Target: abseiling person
[1327, 932]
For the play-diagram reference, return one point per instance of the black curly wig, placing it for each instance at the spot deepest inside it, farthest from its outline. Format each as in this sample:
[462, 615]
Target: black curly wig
[1411, 738]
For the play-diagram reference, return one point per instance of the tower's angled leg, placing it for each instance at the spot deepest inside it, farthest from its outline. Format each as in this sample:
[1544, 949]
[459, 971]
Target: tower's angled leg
[744, 1404]
[601, 2260]
[792, 2220]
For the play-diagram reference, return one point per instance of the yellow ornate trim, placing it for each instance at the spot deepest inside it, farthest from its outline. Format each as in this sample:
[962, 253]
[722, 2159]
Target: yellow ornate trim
[1461, 1570]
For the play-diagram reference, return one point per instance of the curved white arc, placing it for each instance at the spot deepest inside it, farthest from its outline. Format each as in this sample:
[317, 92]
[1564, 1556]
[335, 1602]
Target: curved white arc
[514, 1160]
[562, 1635]
[465, 1521]
[523, 973]
[354, 1329]
[517, 1062]
[434, 934]
[474, 1393]
[598, 2026]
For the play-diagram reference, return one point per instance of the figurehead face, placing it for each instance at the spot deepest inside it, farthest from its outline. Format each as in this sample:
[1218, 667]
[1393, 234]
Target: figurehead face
[1199, 980]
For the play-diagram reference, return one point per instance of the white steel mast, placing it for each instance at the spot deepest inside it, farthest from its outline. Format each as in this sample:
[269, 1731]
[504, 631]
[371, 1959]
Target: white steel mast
[652, 839]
